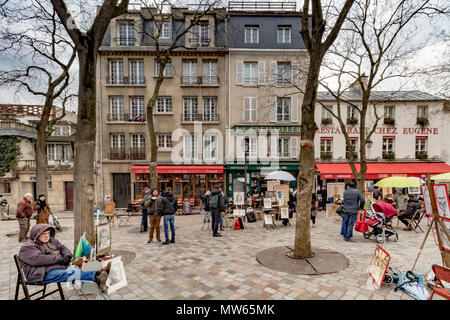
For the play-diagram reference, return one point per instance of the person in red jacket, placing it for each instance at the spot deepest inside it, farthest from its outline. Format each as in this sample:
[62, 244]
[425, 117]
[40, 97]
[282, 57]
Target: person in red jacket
[23, 214]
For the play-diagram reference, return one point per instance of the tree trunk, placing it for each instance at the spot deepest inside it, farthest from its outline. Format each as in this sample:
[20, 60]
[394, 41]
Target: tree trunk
[302, 246]
[84, 182]
[41, 161]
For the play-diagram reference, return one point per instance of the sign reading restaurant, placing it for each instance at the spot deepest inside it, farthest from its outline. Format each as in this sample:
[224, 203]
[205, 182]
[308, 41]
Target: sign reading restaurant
[380, 130]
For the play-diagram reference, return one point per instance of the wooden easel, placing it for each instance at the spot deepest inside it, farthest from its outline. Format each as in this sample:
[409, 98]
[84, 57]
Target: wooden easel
[242, 218]
[445, 255]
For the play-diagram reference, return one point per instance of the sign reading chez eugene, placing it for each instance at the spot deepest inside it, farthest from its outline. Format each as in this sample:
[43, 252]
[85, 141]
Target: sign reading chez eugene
[380, 130]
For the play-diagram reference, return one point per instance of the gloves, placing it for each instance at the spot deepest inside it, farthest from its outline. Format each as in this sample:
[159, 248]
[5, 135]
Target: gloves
[66, 260]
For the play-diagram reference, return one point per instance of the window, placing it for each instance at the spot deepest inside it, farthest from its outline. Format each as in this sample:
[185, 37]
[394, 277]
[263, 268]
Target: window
[164, 105]
[251, 34]
[6, 187]
[190, 109]
[210, 147]
[422, 112]
[389, 112]
[283, 74]
[57, 131]
[252, 147]
[421, 148]
[49, 184]
[283, 109]
[189, 72]
[353, 146]
[67, 152]
[51, 152]
[137, 72]
[190, 150]
[210, 75]
[116, 109]
[167, 70]
[66, 130]
[351, 112]
[117, 140]
[210, 112]
[388, 147]
[199, 36]
[283, 147]
[60, 152]
[250, 109]
[137, 109]
[138, 141]
[165, 30]
[164, 141]
[116, 72]
[326, 148]
[326, 115]
[250, 73]
[126, 34]
[284, 35]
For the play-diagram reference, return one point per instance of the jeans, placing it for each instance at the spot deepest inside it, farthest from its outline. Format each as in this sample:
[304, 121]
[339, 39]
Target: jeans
[348, 224]
[68, 275]
[221, 221]
[24, 226]
[215, 221]
[144, 222]
[154, 224]
[170, 218]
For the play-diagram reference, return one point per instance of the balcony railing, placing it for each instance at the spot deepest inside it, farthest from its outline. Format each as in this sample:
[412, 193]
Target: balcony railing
[278, 6]
[14, 128]
[210, 117]
[210, 80]
[250, 81]
[189, 117]
[125, 117]
[422, 121]
[389, 121]
[125, 80]
[123, 153]
[352, 121]
[200, 41]
[199, 80]
[191, 80]
[125, 41]
[137, 153]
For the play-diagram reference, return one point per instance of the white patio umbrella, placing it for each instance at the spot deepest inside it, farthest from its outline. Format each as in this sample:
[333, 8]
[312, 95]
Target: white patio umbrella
[280, 175]
[418, 179]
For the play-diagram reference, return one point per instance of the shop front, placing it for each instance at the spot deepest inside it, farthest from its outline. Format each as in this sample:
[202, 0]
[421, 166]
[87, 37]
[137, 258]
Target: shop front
[187, 182]
[255, 177]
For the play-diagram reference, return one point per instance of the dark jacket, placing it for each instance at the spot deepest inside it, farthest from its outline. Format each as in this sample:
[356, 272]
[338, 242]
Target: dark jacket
[43, 211]
[222, 201]
[24, 208]
[170, 203]
[412, 206]
[353, 200]
[37, 259]
[156, 207]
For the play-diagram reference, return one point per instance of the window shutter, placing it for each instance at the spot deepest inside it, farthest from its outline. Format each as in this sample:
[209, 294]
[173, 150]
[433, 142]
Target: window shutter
[168, 69]
[262, 146]
[294, 147]
[239, 71]
[273, 109]
[261, 72]
[295, 72]
[294, 109]
[274, 146]
[240, 147]
[255, 111]
[273, 73]
[245, 109]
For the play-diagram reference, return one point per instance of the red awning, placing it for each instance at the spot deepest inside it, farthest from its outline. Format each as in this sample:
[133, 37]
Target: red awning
[180, 169]
[382, 170]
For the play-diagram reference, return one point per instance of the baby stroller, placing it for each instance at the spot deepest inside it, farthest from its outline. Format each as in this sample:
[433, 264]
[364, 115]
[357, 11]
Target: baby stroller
[381, 214]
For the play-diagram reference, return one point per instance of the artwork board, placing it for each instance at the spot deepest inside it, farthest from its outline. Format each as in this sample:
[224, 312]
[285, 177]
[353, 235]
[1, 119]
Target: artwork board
[282, 191]
[267, 203]
[378, 265]
[427, 201]
[239, 212]
[238, 198]
[335, 188]
[103, 238]
[117, 277]
[284, 213]
[268, 219]
[271, 184]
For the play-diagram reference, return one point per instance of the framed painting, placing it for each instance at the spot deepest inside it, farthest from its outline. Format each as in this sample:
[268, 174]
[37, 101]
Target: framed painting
[103, 238]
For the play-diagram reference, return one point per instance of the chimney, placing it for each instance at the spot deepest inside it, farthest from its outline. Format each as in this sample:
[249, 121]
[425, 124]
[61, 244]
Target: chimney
[355, 86]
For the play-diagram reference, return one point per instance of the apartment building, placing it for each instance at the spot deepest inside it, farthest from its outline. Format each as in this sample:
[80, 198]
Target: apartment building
[189, 112]
[20, 121]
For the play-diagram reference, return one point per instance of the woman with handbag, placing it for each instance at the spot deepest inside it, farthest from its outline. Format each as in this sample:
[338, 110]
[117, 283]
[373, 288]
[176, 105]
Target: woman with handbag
[43, 209]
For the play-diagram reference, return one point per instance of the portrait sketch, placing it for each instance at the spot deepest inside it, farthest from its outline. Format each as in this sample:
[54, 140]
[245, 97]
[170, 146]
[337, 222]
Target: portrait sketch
[117, 278]
[238, 199]
[103, 240]
[267, 203]
[284, 213]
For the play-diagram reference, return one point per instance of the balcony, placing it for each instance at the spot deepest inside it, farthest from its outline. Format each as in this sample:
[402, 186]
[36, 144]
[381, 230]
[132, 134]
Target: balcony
[388, 155]
[327, 121]
[421, 155]
[51, 164]
[13, 128]
[205, 81]
[125, 41]
[125, 81]
[210, 117]
[125, 117]
[191, 117]
[389, 121]
[122, 153]
[137, 153]
[422, 121]
[200, 41]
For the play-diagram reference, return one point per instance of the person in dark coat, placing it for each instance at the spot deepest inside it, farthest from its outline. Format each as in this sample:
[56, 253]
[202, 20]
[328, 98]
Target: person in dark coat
[313, 209]
[412, 206]
[43, 209]
[324, 195]
[144, 221]
[216, 212]
[377, 194]
[45, 260]
[169, 215]
[155, 206]
[353, 201]
[23, 213]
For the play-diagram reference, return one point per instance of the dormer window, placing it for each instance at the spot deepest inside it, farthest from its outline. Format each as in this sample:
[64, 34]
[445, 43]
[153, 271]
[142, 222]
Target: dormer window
[199, 35]
[126, 34]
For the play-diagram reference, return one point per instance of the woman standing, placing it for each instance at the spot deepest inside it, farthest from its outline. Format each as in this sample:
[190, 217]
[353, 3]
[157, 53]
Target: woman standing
[43, 209]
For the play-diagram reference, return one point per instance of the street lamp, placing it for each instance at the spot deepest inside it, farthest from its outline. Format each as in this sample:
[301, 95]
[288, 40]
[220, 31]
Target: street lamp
[246, 143]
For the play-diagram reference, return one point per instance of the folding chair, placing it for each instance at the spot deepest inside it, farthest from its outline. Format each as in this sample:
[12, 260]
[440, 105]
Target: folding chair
[21, 281]
[206, 220]
[413, 223]
[442, 274]
[124, 218]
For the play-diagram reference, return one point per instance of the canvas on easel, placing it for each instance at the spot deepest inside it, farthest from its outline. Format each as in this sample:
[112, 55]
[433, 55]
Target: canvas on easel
[378, 265]
[284, 213]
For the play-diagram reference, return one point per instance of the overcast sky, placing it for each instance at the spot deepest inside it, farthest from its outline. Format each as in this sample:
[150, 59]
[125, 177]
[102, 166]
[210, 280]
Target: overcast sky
[437, 51]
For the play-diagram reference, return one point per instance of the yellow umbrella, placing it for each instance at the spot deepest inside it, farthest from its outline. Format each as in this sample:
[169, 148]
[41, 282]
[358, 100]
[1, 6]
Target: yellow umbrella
[442, 176]
[398, 182]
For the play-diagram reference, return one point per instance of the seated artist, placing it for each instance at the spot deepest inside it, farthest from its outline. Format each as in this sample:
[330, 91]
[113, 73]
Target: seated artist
[45, 260]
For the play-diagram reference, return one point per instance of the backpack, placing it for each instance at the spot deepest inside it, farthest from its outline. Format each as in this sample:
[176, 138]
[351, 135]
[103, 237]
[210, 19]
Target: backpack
[250, 217]
[237, 225]
[213, 202]
[4, 203]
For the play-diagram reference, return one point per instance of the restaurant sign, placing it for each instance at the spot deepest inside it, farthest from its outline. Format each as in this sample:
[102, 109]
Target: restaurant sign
[267, 129]
[380, 130]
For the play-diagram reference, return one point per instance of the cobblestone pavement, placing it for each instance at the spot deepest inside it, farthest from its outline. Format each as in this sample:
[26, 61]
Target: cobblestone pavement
[199, 266]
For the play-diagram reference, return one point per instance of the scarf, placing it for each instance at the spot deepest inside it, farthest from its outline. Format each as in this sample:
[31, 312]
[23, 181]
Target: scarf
[41, 204]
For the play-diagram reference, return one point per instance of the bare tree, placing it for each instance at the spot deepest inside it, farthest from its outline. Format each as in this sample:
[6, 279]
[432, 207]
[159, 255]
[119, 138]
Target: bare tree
[47, 71]
[161, 12]
[86, 44]
[377, 38]
[313, 29]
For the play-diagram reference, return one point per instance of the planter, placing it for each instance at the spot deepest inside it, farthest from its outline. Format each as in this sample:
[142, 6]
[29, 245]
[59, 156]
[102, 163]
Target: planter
[422, 155]
[389, 155]
[327, 121]
[389, 121]
[422, 121]
[352, 121]
[326, 156]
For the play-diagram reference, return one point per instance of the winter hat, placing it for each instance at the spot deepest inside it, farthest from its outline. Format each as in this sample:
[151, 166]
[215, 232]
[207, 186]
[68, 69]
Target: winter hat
[153, 189]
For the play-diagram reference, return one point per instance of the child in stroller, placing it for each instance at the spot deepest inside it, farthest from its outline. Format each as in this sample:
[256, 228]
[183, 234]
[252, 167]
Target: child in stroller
[379, 217]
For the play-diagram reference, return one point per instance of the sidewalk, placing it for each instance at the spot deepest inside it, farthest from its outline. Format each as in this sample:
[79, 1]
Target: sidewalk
[199, 266]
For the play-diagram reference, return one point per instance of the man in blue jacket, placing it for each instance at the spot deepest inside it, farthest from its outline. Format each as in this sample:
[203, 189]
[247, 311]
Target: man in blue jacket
[353, 201]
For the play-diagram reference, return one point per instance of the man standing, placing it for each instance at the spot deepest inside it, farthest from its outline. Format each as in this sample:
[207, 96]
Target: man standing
[353, 201]
[23, 214]
[144, 222]
[170, 208]
[324, 195]
[216, 203]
